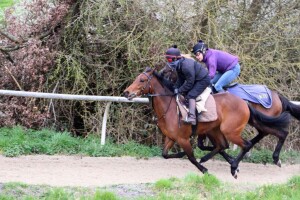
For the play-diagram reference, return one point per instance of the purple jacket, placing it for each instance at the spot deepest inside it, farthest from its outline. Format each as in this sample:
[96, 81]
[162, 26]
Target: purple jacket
[220, 61]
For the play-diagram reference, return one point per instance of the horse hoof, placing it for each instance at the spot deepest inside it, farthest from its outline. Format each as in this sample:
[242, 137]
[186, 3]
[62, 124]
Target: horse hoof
[238, 170]
[235, 174]
[205, 171]
[248, 154]
[278, 163]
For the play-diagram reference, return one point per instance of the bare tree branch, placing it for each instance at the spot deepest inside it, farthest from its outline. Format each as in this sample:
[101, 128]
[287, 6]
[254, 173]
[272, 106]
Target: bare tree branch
[12, 76]
[7, 56]
[250, 17]
[11, 37]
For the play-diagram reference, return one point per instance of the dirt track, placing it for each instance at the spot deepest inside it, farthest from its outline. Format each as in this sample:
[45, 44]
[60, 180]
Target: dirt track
[87, 171]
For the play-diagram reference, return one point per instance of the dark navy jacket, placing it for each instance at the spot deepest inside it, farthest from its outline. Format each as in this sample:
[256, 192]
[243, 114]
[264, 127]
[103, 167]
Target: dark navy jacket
[189, 72]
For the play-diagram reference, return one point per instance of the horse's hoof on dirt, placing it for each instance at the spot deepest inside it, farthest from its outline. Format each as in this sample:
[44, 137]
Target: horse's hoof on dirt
[247, 155]
[235, 174]
[205, 171]
[278, 163]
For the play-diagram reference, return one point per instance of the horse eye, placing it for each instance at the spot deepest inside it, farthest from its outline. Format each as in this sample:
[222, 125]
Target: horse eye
[142, 80]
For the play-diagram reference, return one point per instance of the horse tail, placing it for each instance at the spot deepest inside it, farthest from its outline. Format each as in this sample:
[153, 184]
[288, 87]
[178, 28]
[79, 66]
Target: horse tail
[293, 109]
[280, 122]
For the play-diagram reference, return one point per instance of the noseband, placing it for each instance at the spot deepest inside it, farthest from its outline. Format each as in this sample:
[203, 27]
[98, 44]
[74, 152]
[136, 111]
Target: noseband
[150, 96]
[148, 83]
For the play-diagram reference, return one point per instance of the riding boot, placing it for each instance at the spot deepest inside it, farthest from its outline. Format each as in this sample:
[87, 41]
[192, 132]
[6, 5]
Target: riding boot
[192, 110]
[213, 89]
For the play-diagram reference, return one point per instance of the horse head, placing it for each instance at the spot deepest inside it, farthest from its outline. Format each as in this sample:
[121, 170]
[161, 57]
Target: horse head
[149, 82]
[141, 85]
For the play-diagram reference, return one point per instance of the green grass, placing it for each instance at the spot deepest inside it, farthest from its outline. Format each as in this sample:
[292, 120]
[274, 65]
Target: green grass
[19, 141]
[3, 5]
[191, 187]
[6, 3]
[209, 187]
[163, 184]
[34, 192]
[290, 190]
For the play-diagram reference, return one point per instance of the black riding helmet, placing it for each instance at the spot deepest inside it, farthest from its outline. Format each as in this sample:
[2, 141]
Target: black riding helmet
[173, 54]
[200, 46]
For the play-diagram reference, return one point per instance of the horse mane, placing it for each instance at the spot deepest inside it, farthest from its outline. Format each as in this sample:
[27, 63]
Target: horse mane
[164, 82]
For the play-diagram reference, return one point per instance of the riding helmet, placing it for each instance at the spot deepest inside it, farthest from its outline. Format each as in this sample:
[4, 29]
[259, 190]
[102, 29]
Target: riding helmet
[200, 46]
[173, 53]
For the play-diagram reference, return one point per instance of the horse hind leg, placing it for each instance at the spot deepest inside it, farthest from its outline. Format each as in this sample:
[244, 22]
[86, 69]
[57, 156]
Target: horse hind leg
[281, 138]
[167, 146]
[219, 145]
[245, 147]
[201, 145]
[281, 134]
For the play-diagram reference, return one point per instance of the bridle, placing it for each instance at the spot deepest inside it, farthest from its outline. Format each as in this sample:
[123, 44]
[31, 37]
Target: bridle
[150, 96]
[148, 83]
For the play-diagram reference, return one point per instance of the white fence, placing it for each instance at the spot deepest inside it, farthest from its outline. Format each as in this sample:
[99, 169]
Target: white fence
[109, 99]
[77, 97]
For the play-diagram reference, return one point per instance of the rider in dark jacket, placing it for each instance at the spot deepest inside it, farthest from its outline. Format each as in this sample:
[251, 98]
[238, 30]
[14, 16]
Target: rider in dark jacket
[192, 79]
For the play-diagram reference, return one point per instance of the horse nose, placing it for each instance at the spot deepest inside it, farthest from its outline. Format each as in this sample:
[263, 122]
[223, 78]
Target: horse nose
[125, 94]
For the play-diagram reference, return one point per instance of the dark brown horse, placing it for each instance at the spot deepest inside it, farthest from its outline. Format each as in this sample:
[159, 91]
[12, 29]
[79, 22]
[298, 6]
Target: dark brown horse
[233, 116]
[280, 104]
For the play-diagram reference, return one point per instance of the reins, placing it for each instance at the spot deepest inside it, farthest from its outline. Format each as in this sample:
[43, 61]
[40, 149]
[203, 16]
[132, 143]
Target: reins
[150, 96]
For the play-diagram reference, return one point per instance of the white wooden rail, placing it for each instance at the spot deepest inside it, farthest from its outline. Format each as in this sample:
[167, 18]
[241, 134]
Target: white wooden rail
[109, 99]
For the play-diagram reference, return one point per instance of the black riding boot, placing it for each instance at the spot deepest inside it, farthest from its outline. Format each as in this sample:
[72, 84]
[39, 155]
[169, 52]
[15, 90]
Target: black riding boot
[192, 110]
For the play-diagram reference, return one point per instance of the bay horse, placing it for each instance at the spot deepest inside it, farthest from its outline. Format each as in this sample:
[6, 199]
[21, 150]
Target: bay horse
[233, 115]
[279, 105]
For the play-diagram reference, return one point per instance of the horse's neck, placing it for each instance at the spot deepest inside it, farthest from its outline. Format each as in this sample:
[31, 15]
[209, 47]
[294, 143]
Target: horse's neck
[161, 104]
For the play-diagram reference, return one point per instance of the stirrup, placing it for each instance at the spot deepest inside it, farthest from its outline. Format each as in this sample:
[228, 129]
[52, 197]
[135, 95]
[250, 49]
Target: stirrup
[193, 122]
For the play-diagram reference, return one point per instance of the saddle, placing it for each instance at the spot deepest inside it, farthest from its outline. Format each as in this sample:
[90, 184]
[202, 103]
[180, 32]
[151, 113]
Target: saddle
[205, 106]
[259, 94]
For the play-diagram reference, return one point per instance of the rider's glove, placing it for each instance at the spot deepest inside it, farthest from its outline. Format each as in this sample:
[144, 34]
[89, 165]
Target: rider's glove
[176, 91]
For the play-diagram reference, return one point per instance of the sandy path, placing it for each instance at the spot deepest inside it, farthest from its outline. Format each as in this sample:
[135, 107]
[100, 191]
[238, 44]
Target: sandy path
[88, 171]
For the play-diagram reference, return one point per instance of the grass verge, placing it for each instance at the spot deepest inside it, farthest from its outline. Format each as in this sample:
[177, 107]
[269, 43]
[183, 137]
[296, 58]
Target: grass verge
[18, 141]
[3, 5]
[191, 187]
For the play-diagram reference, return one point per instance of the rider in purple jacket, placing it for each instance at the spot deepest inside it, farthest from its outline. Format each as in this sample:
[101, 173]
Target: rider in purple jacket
[222, 66]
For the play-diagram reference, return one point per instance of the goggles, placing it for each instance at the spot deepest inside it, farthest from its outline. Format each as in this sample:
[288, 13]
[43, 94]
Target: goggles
[171, 58]
[197, 53]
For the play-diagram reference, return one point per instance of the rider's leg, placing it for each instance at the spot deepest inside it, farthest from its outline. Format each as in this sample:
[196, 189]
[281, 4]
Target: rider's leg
[192, 112]
[198, 88]
[227, 77]
[216, 78]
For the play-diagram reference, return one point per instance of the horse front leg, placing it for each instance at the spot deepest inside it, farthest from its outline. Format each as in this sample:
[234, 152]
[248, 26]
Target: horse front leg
[227, 157]
[219, 143]
[167, 146]
[209, 155]
[187, 147]
[217, 150]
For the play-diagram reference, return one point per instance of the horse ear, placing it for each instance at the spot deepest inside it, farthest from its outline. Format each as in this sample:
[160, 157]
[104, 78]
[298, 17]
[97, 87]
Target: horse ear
[148, 69]
[156, 68]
